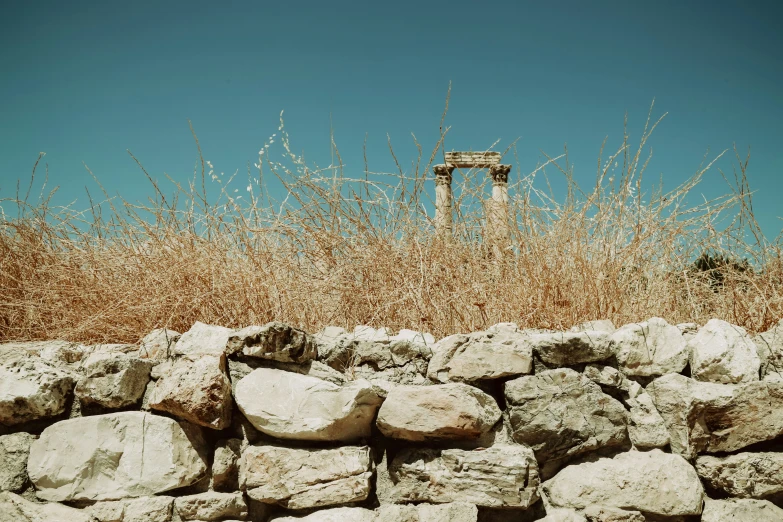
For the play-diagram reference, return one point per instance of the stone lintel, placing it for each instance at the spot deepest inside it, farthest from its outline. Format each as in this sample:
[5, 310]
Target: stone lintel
[471, 160]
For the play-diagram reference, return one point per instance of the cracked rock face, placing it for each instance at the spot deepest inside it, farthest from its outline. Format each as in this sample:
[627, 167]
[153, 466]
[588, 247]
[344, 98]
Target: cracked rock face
[650, 348]
[114, 382]
[275, 341]
[110, 457]
[440, 412]
[571, 348]
[158, 345]
[203, 339]
[561, 413]
[31, 389]
[14, 508]
[741, 509]
[211, 505]
[744, 475]
[500, 476]
[723, 353]
[481, 356]
[14, 451]
[300, 478]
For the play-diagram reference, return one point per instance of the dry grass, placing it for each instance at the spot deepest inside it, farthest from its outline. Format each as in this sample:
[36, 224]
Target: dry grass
[342, 251]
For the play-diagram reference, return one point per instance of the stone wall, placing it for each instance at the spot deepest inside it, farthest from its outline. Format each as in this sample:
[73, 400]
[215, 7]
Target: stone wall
[649, 421]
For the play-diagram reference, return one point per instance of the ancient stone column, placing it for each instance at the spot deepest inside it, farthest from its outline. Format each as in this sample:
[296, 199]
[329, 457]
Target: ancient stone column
[443, 198]
[497, 207]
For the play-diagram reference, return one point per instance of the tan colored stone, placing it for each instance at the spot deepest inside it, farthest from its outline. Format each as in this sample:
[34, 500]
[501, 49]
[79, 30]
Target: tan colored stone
[143, 509]
[650, 348]
[14, 508]
[14, 451]
[275, 341]
[211, 506]
[723, 353]
[744, 475]
[30, 389]
[741, 510]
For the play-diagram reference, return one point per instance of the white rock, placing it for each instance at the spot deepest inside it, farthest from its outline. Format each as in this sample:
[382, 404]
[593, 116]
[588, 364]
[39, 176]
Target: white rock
[143, 509]
[423, 338]
[197, 391]
[368, 333]
[158, 345]
[571, 348]
[451, 512]
[210, 506]
[600, 325]
[723, 353]
[110, 457]
[30, 389]
[481, 356]
[225, 465]
[292, 406]
[650, 348]
[770, 349]
[741, 510]
[14, 508]
[653, 481]
[114, 382]
[445, 411]
[203, 339]
[14, 450]
[300, 478]
[744, 475]
[646, 427]
[562, 515]
[275, 341]
[344, 514]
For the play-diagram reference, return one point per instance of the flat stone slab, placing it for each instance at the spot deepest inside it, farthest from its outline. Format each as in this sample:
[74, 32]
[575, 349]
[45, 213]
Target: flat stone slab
[142, 509]
[210, 506]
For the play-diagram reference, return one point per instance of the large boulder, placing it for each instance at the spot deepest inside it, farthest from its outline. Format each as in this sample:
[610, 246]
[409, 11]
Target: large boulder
[210, 506]
[203, 339]
[142, 509]
[560, 413]
[650, 348]
[114, 382]
[30, 389]
[741, 510]
[557, 349]
[158, 345]
[14, 451]
[14, 508]
[275, 341]
[301, 478]
[706, 417]
[500, 476]
[292, 406]
[439, 412]
[110, 457]
[653, 481]
[723, 353]
[481, 356]
[197, 391]
[744, 475]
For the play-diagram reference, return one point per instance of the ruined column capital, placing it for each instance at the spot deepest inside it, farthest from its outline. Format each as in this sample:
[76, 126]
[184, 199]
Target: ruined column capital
[499, 173]
[442, 174]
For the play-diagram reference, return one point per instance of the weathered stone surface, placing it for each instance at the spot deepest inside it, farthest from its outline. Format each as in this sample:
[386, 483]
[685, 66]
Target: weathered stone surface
[769, 346]
[62, 353]
[203, 339]
[500, 476]
[143, 509]
[30, 389]
[109, 457]
[293, 406]
[444, 411]
[225, 465]
[211, 506]
[570, 348]
[114, 382]
[481, 356]
[562, 515]
[653, 481]
[451, 512]
[344, 514]
[744, 475]
[14, 508]
[399, 361]
[650, 348]
[561, 413]
[710, 418]
[14, 451]
[275, 341]
[600, 325]
[14, 351]
[609, 514]
[646, 427]
[741, 510]
[610, 377]
[198, 391]
[158, 345]
[723, 353]
[300, 478]
[335, 347]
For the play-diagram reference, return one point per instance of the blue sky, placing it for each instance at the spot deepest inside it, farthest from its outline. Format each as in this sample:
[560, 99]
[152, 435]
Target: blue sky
[84, 81]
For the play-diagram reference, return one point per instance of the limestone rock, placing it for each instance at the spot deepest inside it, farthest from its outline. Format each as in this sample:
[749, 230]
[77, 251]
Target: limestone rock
[300, 478]
[500, 476]
[571, 348]
[481, 356]
[600, 325]
[439, 412]
[723, 353]
[653, 481]
[110, 457]
[14, 450]
[769, 346]
[561, 413]
[14, 508]
[114, 382]
[562, 515]
[608, 514]
[225, 465]
[198, 391]
[343, 514]
[335, 347]
[158, 345]
[30, 389]
[143, 509]
[451, 512]
[646, 427]
[399, 361]
[650, 348]
[211, 506]
[741, 510]
[610, 377]
[203, 339]
[275, 341]
[744, 475]
[293, 406]
[711, 418]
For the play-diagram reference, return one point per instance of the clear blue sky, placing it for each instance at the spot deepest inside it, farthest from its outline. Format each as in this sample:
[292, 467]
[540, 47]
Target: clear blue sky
[84, 81]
